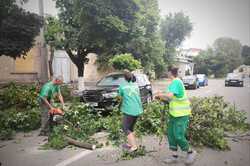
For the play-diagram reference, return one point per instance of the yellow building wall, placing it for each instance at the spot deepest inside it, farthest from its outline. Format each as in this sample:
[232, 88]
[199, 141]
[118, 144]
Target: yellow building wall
[25, 65]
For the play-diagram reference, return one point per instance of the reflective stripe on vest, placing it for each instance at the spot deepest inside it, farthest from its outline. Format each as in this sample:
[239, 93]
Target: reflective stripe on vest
[179, 106]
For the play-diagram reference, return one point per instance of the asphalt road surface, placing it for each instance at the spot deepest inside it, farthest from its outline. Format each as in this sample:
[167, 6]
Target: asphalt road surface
[25, 149]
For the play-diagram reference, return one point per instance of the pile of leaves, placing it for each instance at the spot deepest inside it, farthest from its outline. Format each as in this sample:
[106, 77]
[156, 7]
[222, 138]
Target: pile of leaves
[12, 120]
[18, 109]
[80, 122]
[211, 119]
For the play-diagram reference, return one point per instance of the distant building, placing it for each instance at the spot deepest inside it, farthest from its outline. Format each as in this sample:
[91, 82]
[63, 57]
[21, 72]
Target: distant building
[184, 60]
[191, 52]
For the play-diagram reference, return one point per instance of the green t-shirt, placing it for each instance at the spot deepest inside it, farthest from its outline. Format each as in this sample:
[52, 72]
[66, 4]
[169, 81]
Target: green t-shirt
[177, 88]
[131, 101]
[48, 90]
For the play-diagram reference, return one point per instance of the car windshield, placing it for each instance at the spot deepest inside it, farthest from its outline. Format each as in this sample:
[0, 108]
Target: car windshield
[201, 76]
[232, 75]
[188, 78]
[112, 80]
[117, 79]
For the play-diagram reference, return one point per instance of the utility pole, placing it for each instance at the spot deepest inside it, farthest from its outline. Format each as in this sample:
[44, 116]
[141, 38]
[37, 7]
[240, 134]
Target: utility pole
[42, 47]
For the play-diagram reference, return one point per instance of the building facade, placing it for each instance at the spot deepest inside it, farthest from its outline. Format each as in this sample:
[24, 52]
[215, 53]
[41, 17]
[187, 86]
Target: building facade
[184, 61]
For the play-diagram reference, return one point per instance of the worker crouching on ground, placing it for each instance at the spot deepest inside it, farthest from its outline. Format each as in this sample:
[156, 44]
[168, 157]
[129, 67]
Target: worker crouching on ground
[179, 113]
[47, 93]
[131, 108]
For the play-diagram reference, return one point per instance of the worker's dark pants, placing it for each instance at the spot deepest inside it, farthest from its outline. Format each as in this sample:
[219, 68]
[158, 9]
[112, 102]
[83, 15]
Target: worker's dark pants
[44, 118]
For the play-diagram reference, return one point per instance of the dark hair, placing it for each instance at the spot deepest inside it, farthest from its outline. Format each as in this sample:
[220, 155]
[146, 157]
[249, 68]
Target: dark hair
[133, 78]
[128, 76]
[174, 71]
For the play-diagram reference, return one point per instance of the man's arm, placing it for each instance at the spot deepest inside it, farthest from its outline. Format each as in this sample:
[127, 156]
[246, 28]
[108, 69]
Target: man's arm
[164, 96]
[60, 97]
[47, 102]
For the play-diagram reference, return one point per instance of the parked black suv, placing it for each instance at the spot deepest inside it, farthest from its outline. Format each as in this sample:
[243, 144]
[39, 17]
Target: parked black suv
[234, 79]
[102, 96]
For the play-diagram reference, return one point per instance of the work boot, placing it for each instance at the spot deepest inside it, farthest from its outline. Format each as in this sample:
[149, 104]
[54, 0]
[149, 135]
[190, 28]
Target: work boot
[190, 157]
[171, 160]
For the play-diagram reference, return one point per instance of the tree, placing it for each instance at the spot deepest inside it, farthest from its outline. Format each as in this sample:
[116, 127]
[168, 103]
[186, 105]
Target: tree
[174, 30]
[125, 61]
[202, 62]
[96, 26]
[227, 52]
[18, 29]
[148, 47]
[245, 53]
[54, 37]
[222, 58]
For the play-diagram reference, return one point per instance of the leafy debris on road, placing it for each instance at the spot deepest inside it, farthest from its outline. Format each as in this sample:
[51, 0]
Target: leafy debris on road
[212, 118]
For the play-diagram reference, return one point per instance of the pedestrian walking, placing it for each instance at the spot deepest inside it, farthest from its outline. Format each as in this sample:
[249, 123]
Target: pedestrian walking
[179, 113]
[131, 108]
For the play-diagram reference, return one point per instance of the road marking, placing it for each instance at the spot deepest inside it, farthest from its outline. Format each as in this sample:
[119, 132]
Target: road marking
[74, 158]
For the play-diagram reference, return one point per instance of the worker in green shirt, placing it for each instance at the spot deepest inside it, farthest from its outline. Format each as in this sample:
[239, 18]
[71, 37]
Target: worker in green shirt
[131, 108]
[47, 93]
[179, 113]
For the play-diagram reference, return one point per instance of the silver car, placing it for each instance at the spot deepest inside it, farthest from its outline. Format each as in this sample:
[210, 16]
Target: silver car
[191, 82]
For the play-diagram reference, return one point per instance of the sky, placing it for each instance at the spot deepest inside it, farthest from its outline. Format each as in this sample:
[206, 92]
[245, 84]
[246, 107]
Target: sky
[211, 18]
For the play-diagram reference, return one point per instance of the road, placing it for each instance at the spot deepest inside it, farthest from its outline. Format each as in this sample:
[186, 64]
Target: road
[240, 96]
[24, 150]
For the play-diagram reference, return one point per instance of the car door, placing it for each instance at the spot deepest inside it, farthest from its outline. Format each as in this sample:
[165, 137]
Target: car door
[145, 87]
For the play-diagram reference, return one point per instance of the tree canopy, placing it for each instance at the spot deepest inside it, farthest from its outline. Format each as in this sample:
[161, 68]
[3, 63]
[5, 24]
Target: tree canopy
[125, 61]
[174, 30]
[53, 32]
[222, 58]
[246, 54]
[96, 26]
[18, 29]
[149, 47]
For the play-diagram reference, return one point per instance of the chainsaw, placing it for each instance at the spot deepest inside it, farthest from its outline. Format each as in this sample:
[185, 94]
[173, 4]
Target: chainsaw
[55, 116]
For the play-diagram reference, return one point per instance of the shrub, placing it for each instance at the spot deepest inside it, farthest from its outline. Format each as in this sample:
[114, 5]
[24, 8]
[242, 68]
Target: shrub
[20, 96]
[12, 120]
[125, 61]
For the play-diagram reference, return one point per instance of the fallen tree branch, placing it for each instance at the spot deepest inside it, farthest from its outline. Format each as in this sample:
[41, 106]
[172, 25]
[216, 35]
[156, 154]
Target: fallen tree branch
[84, 145]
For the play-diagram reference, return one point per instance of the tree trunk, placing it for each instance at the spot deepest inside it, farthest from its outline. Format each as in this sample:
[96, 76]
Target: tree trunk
[80, 144]
[51, 73]
[80, 69]
[79, 61]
